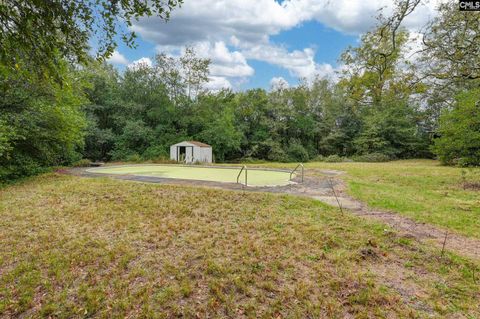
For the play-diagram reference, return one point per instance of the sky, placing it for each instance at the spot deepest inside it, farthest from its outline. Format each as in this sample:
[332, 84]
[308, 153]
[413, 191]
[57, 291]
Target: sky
[260, 43]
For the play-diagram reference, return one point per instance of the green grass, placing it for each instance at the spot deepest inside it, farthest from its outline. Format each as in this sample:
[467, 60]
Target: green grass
[81, 247]
[224, 175]
[420, 189]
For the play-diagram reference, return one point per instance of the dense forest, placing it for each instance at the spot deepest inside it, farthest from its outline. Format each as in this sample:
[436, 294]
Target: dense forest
[386, 103]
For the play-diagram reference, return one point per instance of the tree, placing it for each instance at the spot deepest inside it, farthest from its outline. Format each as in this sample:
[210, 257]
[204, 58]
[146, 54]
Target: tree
[373, 68]
[103, 94]
[459, 141]
[389, 129]
[449, 59]
[380, 82]
[195, 71]
[183, 76]
[38, 34]
[40, 125]
[451, 45]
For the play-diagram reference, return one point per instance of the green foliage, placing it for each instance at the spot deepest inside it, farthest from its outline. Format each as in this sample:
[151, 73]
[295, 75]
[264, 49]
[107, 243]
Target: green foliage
[41, 123]
[7, 134]
[372, 114]
[270, 150]
[37, 35]
[135, 138]
[157, 152]
[297, 153]
[149, 108]
[371, 158]
[82, 163]
[459, 141]
[133, 158]
[389, 129]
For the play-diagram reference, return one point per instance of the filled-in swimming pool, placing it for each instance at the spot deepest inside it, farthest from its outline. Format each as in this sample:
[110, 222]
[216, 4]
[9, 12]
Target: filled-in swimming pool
[255, 176]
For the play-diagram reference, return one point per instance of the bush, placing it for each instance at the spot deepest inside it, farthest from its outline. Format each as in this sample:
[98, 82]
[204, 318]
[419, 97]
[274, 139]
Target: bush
[296, 152]
[269, 150]
[333, 159]
[157, 152]
[82, 163]
[371, 158]
[20, 166]
[133, 158]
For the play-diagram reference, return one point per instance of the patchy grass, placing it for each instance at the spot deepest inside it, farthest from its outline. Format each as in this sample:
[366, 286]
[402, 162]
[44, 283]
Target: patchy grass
[420, 189]
[79, 247]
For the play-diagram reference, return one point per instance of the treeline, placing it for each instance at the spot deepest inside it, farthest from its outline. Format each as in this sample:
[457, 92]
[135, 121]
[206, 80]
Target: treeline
[386, 103]
[139, 114]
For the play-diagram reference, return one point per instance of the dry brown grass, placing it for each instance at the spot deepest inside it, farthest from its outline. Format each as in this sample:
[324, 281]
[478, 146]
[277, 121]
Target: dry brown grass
[78, 247]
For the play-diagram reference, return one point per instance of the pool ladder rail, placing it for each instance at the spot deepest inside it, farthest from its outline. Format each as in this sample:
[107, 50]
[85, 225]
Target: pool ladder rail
[300, 165]
[244, 167]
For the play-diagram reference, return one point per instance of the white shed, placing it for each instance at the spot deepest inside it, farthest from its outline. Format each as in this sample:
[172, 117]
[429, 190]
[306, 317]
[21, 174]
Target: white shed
[191, 152]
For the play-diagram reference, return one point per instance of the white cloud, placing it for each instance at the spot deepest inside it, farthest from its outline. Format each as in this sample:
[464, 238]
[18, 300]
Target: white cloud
[223, 61]
[117, 58]
[141, 62]
[213, 20]
[255, 20]
[217, 83]
[231, 32]
[326, 70]
[357, 16]
[299, 63]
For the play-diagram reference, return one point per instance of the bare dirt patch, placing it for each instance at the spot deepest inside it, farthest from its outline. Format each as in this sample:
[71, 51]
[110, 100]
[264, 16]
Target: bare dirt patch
[474, 186]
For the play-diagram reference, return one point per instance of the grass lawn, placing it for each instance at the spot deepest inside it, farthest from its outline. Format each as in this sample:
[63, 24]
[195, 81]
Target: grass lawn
[84, 247]
[421, 189]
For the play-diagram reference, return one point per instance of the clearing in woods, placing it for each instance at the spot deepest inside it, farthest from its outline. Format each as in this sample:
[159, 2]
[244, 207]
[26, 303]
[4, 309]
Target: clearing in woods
[100, 247]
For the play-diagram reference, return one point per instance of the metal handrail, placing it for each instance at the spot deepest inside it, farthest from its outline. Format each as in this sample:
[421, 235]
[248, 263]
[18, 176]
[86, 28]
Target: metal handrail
[244, 167]
[296, 167]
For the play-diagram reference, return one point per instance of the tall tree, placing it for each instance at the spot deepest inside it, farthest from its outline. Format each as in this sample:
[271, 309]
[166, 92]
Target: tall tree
[450, 57]
[41, 124]
[459, 141]
[38, 34]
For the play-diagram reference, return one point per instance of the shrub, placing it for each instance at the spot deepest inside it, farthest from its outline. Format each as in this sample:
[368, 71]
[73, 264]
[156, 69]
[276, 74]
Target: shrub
[157, 152]
[371, 158]
[296, 152]
[269, 150]
[20, 166]
[319, 158]
[333, 159]
[133, 158]
[82, 163]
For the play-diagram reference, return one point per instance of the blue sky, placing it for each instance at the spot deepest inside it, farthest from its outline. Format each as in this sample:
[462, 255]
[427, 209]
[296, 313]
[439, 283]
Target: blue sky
[254, 43]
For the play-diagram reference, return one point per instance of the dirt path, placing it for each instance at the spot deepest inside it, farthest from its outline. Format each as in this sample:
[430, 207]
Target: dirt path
[328, 187]
[405, 226]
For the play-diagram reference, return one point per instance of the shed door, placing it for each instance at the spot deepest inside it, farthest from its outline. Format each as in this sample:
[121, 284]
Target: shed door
[181, 153]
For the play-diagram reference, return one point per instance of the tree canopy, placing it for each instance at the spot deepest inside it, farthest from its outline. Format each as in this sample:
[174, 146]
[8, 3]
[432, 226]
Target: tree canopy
[58, 104]
[39, 34]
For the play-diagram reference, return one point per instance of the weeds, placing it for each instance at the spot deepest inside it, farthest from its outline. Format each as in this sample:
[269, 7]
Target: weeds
[73, 247]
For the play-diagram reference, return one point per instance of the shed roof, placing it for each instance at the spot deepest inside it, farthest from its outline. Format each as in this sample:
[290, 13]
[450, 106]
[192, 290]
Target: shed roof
[197, 143]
